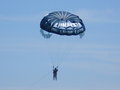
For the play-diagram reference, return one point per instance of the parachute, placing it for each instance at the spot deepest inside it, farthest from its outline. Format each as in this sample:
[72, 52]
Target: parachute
[61, 23]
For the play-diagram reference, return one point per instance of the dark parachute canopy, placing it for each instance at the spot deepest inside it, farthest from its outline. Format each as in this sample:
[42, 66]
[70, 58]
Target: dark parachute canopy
[62, 23]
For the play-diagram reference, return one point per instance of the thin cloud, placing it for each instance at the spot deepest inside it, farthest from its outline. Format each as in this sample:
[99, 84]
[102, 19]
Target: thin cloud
[99, 67]
[23, 18]
[96, 87]
[88, 15]
[100, 16]
[106, 53]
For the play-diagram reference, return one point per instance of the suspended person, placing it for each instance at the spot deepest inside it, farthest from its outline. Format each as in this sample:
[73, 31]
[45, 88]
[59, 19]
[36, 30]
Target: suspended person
[55, 70]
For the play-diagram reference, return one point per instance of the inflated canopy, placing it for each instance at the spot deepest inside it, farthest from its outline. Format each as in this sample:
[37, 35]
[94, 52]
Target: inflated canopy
[62, 23]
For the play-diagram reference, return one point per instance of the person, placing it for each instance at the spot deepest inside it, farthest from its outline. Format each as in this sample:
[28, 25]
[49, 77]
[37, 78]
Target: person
[55, 70]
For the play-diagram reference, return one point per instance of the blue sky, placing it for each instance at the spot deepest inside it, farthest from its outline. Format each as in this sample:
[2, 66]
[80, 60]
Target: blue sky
[90, 63]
